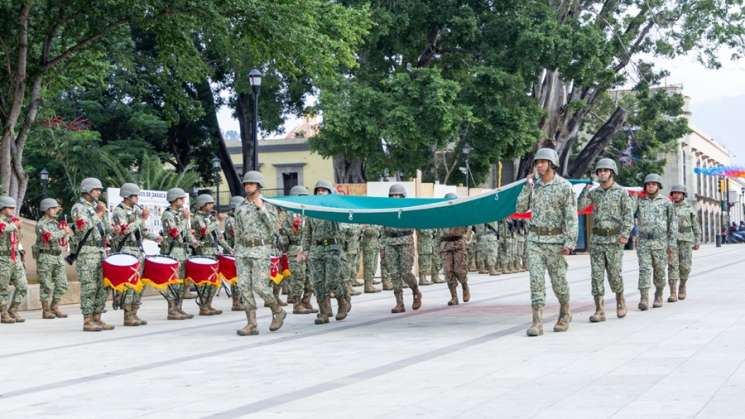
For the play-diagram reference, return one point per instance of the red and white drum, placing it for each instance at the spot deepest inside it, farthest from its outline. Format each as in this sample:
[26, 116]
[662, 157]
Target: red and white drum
[203, 270]
[228, 271]
[160, 271]
[121, 271]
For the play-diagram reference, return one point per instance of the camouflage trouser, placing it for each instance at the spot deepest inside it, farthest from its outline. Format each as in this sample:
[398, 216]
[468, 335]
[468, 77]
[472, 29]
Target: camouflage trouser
[424, 263]
[385, 275]
[651, 261]
[487, 250]
[472, 254]
[299, 281]
[12, 273]
[370, 262]
[92, 291]
[454, 261]
[505, 253]
[606, 258]
[52, 277]
[436, 264]
[680, 265]
[326, 271]
[353, 266]
[253, 277]
[524, 253]
[399, 260]
[544, 257]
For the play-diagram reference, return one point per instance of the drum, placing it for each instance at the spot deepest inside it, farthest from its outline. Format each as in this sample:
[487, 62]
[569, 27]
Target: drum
[284, 265]
[275, 271]
[121, 271]
[227, 268]
[203, 270]
[160, 271]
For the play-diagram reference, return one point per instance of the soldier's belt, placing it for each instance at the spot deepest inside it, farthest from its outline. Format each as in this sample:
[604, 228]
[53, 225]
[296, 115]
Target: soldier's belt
[451, 238]
[545, 231]
[684, 229]
[53, 252]
[606, 231]
[254, 243]
[294, 243]
[326, 242]
[649, 236]
[395, 234]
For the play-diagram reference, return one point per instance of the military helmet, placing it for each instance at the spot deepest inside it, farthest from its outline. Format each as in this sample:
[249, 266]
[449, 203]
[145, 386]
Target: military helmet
[48, 203]
[298, 190]
[129, 189]
[653, 178]
[324, 184]
[90, 183]
[607, 164]
[397, 189]
[679, 188]
[547, 154]
[175, 193]
[236, 202]
[451, 195]
[254, 177]
[203, 200]
[7, 202]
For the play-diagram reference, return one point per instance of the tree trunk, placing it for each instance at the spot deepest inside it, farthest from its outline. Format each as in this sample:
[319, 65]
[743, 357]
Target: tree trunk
[597, 144]
[245, 120]
[348, 171]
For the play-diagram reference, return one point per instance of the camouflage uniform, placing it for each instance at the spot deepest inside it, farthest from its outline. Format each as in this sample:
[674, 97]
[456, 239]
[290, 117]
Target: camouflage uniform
[506, 247]
[658, 229]
[229, 236]
[487, 247]
[50, 241]
[12, 271]
[453, 250]
[370, 252]
[291, 234]
[88, 263]
[425, 247]
[322, 240]
[399, 260]
[688, 235]
[471, 243]
[177, 238]
[521, 237]
[209, 243]
[255, 232]
[352, 233]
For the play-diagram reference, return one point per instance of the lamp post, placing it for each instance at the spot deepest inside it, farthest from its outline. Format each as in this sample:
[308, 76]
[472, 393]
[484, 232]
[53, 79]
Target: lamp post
[466, 153]
[218, 179]
[254, 79]
[44, 175]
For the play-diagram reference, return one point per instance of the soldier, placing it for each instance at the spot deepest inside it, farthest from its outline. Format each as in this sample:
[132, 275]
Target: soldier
[229, 235]
[689, 238]
[176, 223]
[128, 222]
[454, 249]
[322, 240]
[51, 238]
[425, 247]
[472, 241]
[12, 271]
[612, 220]
[399, 257]
[658, 229]
[505, 246]
[487, 248]
[370, 252]
[256, 230]
[210, 243]
[351, 233]
[436, 259]
[385, 276]
[291, 234]
[91, 228]
[552, 234]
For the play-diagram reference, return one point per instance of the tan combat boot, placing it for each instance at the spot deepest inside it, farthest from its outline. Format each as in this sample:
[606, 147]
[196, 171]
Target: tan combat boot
[536, 328]
[173, 313]
[324, 307]
[305, 301]
[128, 318]
[278, 318]
[56, 310]
[5, 317]
[644, 300]
[466, 290]
[13, 312]
[453, 294]
[89, 325]
[300, 308]
[493, 271]
[399, 307]
[423, 280]
[387, 284]
[673, 291]
[620, 305]
[135, 309]
[180, 308]
[599, 315]
[658, 297]
[213, 310]
[370, 288]
[482, 268]
[682, 290]
[565, 317]
[417, 293]
[250, 329]
[341, 312]
[100, 323]
[237, 304]
[46, 313]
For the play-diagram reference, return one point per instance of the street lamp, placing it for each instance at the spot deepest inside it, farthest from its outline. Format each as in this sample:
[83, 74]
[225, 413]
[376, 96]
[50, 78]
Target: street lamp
[466, 153]
[44, 175]
[216, 169]
[254, 79]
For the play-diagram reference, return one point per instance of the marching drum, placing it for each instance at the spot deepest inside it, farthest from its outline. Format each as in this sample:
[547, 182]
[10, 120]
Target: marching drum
[160, 271]
[203, 270]
[227, 268]
[121, 271]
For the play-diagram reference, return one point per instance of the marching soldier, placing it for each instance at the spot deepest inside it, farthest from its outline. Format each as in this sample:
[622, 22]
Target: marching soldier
[612, 220]
[129, 229]
[454, 251]
[487, 248]
[229, 235]
[351, 235]
[399, 257]
[256, 230]
[176, 223]
[12, 271]
[370, 252]
[291, 234]
[551, 236]
[51, 239]
[689, 238]
[658, 230]
[91, 229]
[210, 243]
[425, 246]
[322, 240]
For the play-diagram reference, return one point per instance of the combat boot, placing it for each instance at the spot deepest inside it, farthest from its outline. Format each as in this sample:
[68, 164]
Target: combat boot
[237, 304]
[250, 329]
[673, 291]
[278, 318]
[466, 290]
[370, 288]
[180, 307]
[599, 315]
[46, 313]
[399, 307]
[417, 293]
[100, 323]
[682, 290]
[291, 299]
[135, 309]
[620, 305]
[300, 308]
[5, 317]
[565, 317]
[56, 310]
[387, 284]
[129, 319]
[89, 325]
[13, 312]
[536, 328]
[325, 311]
[305, 301]
[213, 311]
[493, 271]
[482, 268]
[341, 312]
[644, 300]
[658, 297]
[453, 294]
[173, 313]
[423, 281]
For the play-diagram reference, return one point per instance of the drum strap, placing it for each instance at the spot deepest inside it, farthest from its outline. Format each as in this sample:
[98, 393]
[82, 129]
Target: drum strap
[70, 259]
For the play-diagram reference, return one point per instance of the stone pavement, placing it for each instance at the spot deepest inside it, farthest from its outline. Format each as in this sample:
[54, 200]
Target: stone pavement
[470, 361]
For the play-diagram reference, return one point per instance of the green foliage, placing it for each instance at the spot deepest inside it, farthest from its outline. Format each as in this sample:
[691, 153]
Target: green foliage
[149, 173]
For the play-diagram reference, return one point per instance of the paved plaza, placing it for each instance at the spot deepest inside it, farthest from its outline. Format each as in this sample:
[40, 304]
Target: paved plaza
[471, 361]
